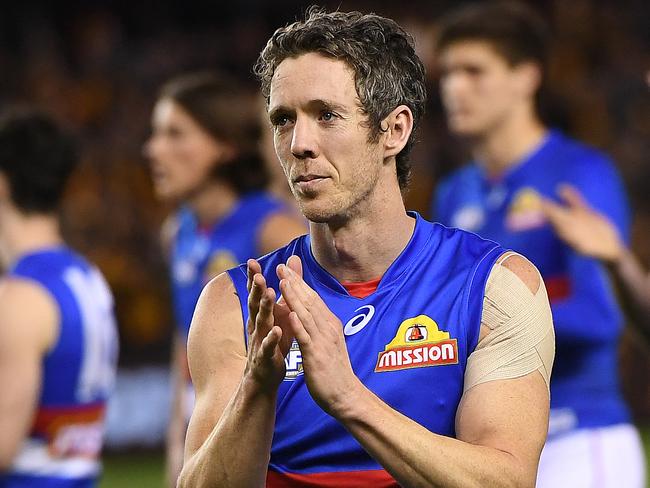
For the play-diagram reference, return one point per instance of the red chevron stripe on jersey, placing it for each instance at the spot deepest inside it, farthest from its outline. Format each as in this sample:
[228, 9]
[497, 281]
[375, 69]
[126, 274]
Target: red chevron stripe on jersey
[557, 287]
[348, 479]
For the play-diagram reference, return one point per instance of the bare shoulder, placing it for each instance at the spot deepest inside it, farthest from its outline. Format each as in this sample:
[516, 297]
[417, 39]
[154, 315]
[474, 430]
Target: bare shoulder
[279, 229]
[522, 268]
[217, 330]
[28, 314]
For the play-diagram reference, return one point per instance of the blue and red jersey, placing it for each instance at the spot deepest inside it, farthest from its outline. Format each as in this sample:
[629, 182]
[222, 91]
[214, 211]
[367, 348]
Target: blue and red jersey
[585, 389]
[408, 342]
[199, 254]
[78, 373]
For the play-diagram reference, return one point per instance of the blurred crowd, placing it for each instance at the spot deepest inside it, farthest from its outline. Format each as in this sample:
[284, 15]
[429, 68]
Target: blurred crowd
[98, 65]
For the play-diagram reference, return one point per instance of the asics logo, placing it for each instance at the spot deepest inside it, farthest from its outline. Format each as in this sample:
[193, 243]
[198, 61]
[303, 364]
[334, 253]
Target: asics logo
[359, 321]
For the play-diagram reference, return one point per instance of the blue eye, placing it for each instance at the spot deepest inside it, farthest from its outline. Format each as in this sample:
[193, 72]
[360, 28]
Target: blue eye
[327, 116]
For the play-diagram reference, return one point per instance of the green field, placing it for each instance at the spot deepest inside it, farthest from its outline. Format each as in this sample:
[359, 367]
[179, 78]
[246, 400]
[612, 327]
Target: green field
[137, 470]
[146, 470]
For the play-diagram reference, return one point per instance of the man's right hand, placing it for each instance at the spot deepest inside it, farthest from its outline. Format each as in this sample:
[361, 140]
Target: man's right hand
[269, 339]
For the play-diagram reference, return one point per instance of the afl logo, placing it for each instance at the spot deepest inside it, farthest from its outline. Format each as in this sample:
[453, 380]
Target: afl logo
[293, 362]
[359, 321]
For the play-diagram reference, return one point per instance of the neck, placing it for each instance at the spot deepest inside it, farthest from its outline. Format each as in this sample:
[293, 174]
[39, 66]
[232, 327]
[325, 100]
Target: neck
[212, 202]
[365, 245]
[24, 234]
[508, 143]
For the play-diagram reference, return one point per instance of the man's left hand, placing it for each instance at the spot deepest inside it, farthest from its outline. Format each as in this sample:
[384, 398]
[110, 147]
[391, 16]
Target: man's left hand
[328, 372]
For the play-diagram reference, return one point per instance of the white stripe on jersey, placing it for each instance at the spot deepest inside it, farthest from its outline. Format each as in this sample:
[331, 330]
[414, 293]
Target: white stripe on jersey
[34, 459]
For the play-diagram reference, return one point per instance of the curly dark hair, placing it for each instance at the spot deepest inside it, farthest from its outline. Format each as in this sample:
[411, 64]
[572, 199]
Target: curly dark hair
[36, 157]
[228, 112]
[387, 72]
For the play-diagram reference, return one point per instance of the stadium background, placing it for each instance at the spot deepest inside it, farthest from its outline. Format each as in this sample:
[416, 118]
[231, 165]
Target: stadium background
[97, 65]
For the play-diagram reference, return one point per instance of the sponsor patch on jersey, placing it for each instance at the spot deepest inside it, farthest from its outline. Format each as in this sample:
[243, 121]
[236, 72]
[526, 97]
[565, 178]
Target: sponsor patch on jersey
[293, 362]
[418, 343]
[219, 262]
[359, 321]
[525, 211]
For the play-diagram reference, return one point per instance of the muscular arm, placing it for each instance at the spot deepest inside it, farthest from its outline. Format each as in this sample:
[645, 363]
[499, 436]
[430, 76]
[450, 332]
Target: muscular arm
[28, 327]
[229, 436]
[501, 424]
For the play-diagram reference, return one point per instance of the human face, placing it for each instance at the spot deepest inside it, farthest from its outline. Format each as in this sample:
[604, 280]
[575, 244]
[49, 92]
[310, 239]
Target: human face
[479, 89]
[321, 137]
[182, 154]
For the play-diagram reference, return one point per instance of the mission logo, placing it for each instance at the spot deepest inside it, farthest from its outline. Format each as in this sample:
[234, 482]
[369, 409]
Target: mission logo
[417, 344]
[525, 212]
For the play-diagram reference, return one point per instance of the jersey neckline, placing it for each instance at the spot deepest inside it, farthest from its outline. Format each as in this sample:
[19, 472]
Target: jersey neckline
[403, 262]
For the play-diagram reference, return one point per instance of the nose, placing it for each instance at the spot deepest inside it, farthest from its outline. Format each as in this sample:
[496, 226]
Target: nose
[151, 147]
[304, 140]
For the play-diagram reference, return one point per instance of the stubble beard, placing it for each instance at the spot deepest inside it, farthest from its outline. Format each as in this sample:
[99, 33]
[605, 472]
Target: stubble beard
[341, 207]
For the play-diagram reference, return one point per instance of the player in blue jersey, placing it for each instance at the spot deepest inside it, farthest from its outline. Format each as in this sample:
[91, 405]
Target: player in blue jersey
[492, 58]
[380, 349]
[58, 342]
[205, 158]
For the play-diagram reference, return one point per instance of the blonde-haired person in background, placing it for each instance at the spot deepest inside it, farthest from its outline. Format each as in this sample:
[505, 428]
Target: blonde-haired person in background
[204, 159]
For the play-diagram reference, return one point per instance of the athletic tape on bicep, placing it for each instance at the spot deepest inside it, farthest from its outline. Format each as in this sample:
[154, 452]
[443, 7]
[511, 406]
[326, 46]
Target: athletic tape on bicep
[521, 338]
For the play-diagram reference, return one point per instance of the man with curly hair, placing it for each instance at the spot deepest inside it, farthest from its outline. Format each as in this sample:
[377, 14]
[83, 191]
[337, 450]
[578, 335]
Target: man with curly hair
[397, 351]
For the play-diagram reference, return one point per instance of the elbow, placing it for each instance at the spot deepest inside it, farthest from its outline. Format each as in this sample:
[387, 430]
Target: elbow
[519, 475]
[526, 479]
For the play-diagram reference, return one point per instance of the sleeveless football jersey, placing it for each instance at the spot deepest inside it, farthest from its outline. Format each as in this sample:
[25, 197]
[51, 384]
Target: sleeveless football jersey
[198, 255]
[64, 444]
[585, 388]
[408, 342]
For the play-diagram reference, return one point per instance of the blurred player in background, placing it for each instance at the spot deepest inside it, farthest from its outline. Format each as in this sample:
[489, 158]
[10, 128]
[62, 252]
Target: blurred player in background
[58, 342]
[591, 233]
[204, 153]
[492, 58]
[374, 367]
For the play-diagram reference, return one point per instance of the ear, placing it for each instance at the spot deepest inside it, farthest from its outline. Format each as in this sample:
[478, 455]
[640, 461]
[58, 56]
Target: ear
[396, 128]
[529, 78]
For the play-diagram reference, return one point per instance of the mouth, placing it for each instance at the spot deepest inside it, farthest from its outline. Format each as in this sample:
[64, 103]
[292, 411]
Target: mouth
[308, 178]
[309, 183]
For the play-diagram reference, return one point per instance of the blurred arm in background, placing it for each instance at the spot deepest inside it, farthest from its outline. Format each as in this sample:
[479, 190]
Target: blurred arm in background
[592, 234]
[28, 328]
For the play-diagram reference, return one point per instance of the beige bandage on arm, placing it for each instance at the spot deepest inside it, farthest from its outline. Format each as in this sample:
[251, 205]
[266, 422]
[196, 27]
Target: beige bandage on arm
[521, 337]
